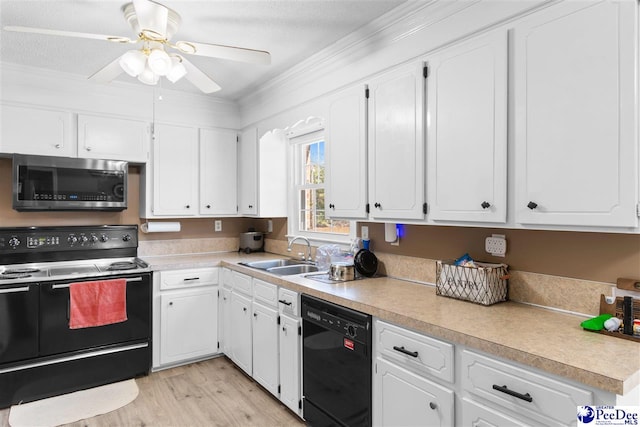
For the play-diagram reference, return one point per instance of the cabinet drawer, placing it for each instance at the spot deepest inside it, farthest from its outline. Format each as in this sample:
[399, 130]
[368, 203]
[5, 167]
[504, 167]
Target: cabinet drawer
[227, 278]
[188, 278]
[522, 391]
[264, 292]
[415, 351]
[242, 283]
[288, 302]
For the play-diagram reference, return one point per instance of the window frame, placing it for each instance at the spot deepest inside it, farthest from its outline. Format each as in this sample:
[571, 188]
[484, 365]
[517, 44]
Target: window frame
[296, 141]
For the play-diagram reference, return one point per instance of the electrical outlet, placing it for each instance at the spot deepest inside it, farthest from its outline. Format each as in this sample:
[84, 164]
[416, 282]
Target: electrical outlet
[217, 225]
[496, 245]
[269, 226]
[364, 232]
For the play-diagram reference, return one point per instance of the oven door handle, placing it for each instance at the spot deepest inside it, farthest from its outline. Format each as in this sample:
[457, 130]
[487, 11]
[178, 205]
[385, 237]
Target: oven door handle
[66, 285]
[12, 290]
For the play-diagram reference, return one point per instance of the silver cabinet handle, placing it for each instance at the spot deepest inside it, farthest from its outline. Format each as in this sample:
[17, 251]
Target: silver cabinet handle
[14, 290]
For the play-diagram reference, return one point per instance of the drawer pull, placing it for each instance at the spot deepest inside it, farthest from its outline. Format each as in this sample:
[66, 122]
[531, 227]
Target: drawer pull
[407, 352]
[285, 302]
[433, 405]
[191, 278]
[504, 389]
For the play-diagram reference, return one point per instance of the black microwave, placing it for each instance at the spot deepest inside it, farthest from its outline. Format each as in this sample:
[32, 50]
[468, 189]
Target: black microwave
[43, 183]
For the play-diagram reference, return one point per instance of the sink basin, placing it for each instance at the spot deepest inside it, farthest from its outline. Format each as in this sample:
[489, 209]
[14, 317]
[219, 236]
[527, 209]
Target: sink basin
[290, 270]
[273, 263]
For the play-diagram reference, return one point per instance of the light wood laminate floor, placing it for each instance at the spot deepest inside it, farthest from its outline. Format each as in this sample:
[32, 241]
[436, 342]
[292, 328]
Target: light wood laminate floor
[210, 393]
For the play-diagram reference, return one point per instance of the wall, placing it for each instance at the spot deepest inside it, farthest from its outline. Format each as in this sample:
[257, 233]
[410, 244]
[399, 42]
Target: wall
[191, 228]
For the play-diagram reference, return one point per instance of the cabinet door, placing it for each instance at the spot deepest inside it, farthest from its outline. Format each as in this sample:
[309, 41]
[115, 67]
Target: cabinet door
[175, 172]
[27, 130]
[218, 172]
[576, 115]
[189, 324]
[272, 174]
[265, 347]
[404, 398]
[346, 137]
[467, 131]
[247, 173]
[290, 344]
[396, 144]
[477, 415]
[112, 138]
[241, 343]
[225, 317]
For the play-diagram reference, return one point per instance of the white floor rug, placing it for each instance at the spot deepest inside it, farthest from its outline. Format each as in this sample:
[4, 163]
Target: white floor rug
[72, 407]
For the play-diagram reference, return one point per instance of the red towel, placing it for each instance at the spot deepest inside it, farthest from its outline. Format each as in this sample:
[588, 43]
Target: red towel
[98, 303]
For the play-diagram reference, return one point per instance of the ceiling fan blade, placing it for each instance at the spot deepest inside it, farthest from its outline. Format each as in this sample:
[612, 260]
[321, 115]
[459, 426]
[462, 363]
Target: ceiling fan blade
[225, 52]
[48, 32]
[108, 72]
[152, 17]
[199, 79]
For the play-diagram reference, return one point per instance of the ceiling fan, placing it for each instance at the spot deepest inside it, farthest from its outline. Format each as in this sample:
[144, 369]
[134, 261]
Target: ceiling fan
[155, 24]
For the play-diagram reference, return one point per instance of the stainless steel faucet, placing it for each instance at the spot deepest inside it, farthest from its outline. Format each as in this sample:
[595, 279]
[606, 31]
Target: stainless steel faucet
[308, 258]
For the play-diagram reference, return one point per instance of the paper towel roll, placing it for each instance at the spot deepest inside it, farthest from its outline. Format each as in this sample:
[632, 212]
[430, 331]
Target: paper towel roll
[160, 227]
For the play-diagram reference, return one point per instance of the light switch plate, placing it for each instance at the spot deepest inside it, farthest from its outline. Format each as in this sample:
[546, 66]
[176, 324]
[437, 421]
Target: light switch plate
[364, 232]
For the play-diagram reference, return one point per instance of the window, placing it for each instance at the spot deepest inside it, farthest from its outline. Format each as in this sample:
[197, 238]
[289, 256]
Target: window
[308, 214]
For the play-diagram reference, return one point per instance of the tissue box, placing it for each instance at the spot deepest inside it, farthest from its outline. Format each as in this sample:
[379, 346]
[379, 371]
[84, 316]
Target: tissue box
[484, 284]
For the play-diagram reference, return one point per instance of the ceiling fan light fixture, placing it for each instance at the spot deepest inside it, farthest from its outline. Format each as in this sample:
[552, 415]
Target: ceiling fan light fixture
[159, 62]
[133, 62]
[185, 47]
[178, 70]
[148, 77]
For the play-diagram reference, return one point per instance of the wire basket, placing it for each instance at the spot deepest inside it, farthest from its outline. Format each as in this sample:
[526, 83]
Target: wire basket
[484, 284]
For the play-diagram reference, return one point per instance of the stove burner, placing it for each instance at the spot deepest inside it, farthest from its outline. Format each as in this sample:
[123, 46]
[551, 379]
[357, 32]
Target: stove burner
[122, 265]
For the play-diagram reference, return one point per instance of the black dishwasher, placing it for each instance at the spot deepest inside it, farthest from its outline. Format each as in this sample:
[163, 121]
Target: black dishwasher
[336, 360]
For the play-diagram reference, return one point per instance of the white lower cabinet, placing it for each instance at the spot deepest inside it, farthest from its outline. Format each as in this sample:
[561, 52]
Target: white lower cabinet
[224, 304]
[241, 342]
[290, 367]
[185, 316]
[403, 398]
[406, 367]
[476, 415]
[265, 347]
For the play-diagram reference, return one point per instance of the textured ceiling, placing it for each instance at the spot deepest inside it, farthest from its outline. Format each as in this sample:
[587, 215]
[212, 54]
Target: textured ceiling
[291, 30]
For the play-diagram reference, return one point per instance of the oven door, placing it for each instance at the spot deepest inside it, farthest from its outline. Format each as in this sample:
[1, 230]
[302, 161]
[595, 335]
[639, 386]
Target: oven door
[18, 322]
[56, 336]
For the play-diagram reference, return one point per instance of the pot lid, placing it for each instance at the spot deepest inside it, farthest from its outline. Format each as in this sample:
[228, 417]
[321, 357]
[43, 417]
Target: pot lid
[366, 262]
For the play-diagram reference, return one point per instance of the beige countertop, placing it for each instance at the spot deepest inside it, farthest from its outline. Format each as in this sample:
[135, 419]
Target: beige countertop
[548, 340]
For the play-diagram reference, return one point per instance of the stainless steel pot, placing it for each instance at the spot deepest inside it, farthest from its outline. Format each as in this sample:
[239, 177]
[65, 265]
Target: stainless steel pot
[342, 271]
[251, 241]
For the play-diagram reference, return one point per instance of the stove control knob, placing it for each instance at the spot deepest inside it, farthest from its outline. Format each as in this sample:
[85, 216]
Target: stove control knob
[93, 238]
[72, 239]
[126, 237]
[104, 238]
[83, 240]
[14, 242]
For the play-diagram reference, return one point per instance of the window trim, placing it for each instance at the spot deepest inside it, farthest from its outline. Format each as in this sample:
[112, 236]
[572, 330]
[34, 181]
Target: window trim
[297, 137]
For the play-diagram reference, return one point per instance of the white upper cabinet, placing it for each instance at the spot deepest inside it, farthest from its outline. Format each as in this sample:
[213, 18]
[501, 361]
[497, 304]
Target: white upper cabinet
[175, 175]
[576, 115]
[218, 172]
[262, 174]
[112, 138]
[247, 173]
[346, 137]
[396, 144]
[467, 131]
[40, 131]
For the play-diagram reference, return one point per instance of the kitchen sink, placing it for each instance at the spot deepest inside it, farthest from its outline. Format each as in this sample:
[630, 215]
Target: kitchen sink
[273, 263]
[290, 270]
